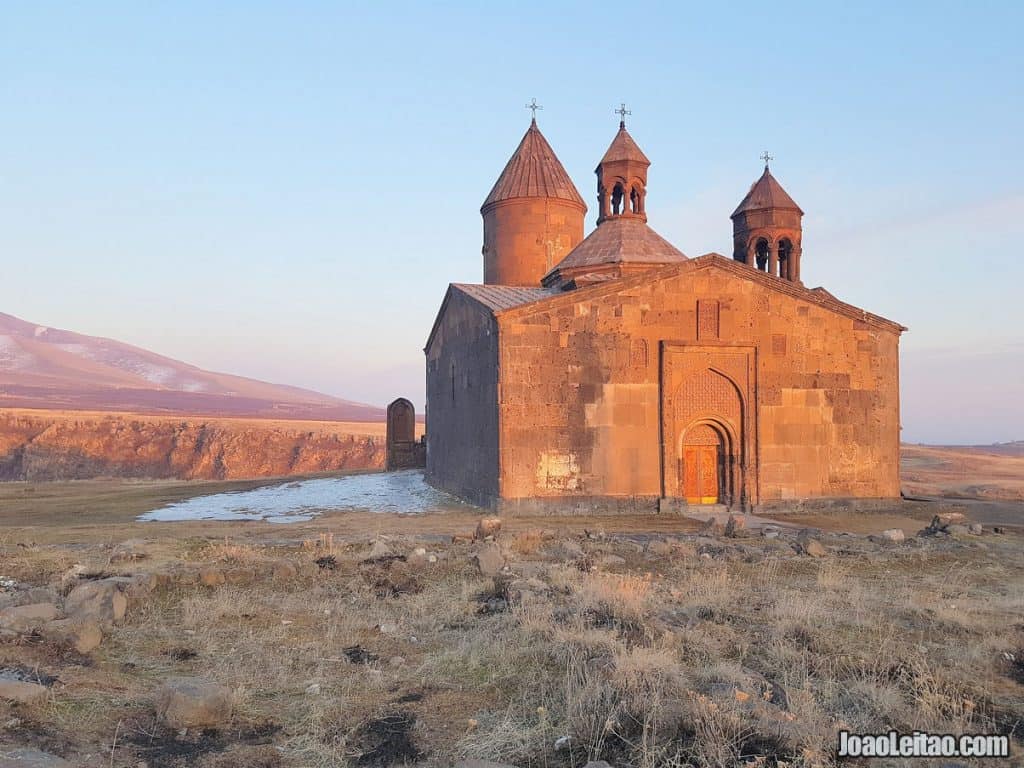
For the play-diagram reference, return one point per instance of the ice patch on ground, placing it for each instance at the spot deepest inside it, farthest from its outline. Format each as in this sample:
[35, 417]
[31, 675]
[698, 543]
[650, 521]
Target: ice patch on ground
[404, 493]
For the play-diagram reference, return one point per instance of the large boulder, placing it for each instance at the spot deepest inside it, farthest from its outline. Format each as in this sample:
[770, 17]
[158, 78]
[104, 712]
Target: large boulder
[813, 548]
[894, 534]
[25, 618]
[29, 757]
[735, 524]
[101, 601]
[84, 635]
[192, 702]
[489, 559]
[21, 692]
[488, 527]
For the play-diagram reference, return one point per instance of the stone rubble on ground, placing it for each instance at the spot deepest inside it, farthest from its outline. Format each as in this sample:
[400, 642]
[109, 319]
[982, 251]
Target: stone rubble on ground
[894, 534]
[102, 601]
[489, 559]
[192, 702]
[488, 527]
[26, 618]
[29, 757]
[22, 692]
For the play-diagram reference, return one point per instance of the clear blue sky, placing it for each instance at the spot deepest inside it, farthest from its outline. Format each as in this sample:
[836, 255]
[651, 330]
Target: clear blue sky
[283, 190]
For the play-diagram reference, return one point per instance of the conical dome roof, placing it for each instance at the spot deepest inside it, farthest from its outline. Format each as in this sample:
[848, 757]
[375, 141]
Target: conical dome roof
[766, 193]
[534, 171]
[624, 148]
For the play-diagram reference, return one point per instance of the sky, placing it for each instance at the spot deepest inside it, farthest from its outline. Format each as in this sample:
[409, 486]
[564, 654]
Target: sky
[284, 190]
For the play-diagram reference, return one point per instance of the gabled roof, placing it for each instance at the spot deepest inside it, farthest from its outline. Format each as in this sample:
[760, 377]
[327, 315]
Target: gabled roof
[499, 297]
[493, 299]
[624, 148]
[765, 193]
[820, 297]
[620, 240]
[534, 171]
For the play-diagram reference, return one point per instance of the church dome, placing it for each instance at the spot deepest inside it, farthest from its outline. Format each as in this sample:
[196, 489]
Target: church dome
[620, 244]
[534, 171]
[766, 193]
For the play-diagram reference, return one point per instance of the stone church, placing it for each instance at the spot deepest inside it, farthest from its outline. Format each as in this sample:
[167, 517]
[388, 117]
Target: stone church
[613, 373]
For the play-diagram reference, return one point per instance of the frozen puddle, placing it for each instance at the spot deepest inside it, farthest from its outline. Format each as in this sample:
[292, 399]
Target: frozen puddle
[404, 492]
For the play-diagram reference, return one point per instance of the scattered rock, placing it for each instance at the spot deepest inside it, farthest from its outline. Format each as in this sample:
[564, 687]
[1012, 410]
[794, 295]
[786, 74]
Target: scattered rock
[129, 551]
[660, 547]
[475, 763]
[597, 764]
[82, 635]
[25, 618]
[813, 548]
[359, 655]
[378, 549]
[21, 692]
[102, 601]
[894, 534]
[487, 527]
[27, 757]
[734, 524]
[38, 595]
[489, 559]
[192, 702]
[976, 529]
[562, 743]
[711, 527]
[957, 528]
[770, 532]
[935, 528]
[388, 628]
[950, 518]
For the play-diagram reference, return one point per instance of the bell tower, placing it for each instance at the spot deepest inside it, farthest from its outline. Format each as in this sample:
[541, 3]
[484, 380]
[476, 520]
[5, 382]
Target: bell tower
[622, 177]
[533, 216]
[767, 229]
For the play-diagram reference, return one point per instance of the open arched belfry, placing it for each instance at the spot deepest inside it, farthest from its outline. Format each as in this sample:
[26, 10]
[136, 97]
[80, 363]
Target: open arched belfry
[613, 373]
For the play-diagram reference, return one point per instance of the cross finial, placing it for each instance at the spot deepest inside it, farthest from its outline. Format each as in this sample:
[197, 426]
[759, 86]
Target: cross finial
[767, 158]
[534, 106]
[622, 112]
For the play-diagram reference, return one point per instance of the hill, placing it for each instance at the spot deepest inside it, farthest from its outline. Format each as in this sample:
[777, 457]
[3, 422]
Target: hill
[50, 368]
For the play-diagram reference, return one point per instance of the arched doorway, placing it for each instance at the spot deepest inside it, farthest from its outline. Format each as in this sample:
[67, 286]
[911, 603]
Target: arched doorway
[704, 472]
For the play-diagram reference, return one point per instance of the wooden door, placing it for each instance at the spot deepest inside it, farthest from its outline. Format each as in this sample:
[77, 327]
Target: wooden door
[700, 474]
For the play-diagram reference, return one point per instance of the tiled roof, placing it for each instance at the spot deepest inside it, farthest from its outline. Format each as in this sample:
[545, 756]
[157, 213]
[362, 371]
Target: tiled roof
[624, 148]
[499, 297]
[534, 171]
[621, 240]
[764, 193]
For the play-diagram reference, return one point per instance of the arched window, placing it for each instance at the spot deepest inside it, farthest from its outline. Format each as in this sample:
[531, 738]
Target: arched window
[761, 254]
[619, 199]
[785, 251]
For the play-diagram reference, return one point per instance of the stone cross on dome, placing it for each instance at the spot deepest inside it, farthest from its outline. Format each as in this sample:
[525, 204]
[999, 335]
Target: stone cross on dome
[622, 112]
[533, 106]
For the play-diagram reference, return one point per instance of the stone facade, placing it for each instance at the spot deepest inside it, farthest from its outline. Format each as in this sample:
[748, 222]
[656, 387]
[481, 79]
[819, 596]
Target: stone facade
[628, 382]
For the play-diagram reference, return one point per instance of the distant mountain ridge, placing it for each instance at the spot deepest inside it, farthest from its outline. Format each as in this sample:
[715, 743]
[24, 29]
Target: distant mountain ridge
[44, 367]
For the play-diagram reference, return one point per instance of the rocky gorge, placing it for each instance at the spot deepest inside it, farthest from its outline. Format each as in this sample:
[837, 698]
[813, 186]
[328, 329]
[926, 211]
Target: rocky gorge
[66, 445]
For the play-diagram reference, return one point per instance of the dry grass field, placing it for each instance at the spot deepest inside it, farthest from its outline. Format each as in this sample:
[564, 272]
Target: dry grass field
[372, 640]
[992, 473]
[365, 639]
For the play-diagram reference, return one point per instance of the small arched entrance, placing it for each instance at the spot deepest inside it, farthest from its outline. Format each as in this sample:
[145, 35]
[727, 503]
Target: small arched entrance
[704, 471]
